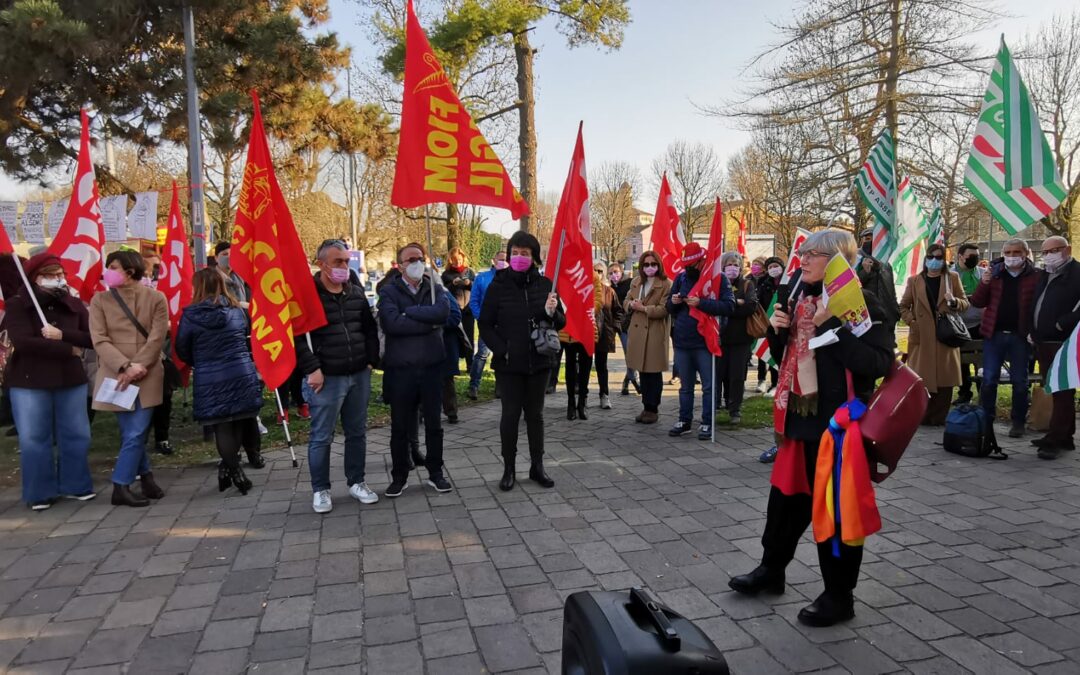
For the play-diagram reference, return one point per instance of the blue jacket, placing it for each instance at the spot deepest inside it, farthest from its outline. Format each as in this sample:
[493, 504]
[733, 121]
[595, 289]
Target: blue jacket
[479, 289]
[413, 325]
[213, 340]
[684, 332]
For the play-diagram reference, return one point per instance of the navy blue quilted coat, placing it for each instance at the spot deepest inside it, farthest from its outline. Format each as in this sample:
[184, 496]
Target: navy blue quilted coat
[213, 339]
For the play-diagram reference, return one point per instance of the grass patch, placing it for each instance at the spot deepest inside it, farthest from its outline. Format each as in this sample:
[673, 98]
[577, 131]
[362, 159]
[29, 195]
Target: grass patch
[186, 436]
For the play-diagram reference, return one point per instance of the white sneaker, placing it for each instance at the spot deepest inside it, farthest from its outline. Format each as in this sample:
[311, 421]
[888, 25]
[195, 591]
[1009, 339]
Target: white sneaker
[321, 502]
[605, 402]
[362, 494]
[262, 427]
[763, 387]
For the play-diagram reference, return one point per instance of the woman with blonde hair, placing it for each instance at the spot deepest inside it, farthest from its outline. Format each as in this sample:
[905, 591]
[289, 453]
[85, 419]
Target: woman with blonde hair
[649, 336]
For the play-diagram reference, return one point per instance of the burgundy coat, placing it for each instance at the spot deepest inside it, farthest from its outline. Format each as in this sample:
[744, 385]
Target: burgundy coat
[988, 297]
[39, 363]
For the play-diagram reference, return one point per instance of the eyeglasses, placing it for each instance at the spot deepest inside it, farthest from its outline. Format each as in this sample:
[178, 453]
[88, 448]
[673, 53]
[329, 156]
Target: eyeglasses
[814, 254]
[1057, 249]
[409, 261]
[939, 256]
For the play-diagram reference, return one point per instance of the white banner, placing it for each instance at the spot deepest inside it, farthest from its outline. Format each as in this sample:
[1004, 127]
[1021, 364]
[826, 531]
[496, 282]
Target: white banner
[142, 220]
[56, 216]
[114, 217]
[33, 223]
[9, 214]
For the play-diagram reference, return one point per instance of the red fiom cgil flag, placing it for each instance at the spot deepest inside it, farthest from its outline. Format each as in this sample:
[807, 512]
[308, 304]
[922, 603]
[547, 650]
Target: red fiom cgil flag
[667, 233]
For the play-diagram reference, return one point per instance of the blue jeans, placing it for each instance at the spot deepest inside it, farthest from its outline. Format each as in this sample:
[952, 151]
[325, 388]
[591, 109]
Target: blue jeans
[48, 418]
[347, 396]
[133, 459]
[476, 368]
[689, 362]
[998, 349]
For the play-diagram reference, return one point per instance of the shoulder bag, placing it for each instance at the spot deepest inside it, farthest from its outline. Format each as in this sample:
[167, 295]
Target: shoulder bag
[131, 317]
[545, 339]
[950, 329]
[892, 417]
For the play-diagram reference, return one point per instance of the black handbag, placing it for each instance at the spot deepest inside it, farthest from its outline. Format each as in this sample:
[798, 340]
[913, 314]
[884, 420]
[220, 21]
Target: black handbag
[545, 339]
[951, 330]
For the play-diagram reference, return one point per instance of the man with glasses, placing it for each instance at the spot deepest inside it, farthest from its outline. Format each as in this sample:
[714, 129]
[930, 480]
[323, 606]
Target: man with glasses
[336, 362]
[1057, 311]
[412, 316]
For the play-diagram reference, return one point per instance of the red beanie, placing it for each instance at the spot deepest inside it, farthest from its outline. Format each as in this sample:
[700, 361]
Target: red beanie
[692, 253]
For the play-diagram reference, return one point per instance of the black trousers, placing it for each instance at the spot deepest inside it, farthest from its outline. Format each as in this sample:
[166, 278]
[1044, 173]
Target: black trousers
[600, 366]
[292, 390]
[449, 396]
[162, 416]
[522, 394]
[553, 374]
[234, 435]
[578, 369]
[787, 518]
[762, 368]
[468, 324]
[652, 387]
[406, 389]
[731, 370]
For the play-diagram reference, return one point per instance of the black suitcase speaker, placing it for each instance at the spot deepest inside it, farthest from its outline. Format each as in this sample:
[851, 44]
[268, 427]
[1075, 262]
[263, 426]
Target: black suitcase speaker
[608, 633]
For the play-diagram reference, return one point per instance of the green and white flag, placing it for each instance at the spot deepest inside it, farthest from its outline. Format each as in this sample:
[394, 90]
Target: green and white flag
[912, 230]
[1064, 373]
[1010, 167]
[937, 227]
[876, 183]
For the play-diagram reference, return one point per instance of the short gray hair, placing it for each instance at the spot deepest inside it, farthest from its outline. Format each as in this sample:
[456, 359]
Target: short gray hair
[1017, 241]
[329, 244]
[730, 258]
[831, 242]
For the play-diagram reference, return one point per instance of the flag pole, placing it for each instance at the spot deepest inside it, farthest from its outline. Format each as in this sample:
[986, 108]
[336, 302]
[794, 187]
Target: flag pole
[431, 251]
[285, 426]
[29, 289]
[712, 413]
[558, 260]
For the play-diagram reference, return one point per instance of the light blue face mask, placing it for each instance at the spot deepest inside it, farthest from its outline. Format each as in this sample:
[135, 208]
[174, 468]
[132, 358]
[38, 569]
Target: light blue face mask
[934, 265]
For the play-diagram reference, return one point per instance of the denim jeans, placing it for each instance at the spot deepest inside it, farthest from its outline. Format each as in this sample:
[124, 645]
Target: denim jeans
[345, 396]
[133, 459]
[476, 368]
[48, 418]
[689, 362]
[998, 349]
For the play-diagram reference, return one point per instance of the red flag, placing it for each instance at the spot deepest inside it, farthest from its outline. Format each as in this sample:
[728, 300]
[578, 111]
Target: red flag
[177, 270]
[742, 237]
[575, 272]
[794, 262]
[667, 233]
[710, 282]
[5, 241]
[442, 156]
[267, 254]
[78, 243]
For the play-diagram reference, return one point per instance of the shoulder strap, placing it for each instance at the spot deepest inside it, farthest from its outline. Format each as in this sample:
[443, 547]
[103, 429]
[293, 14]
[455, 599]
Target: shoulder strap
[128, 313]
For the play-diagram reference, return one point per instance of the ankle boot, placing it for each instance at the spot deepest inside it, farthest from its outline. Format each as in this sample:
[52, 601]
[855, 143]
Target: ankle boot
[224, 481]
[507, 482]
[625, 387]
[761, 579]
[581, 409]
[123, 496]
[571, 407]
[241, 481]
[829, 608]
[150, 488]
[538, 475]
[255, 459]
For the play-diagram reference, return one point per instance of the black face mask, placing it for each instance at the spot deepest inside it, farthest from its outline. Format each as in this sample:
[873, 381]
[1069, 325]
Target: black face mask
[971, 261]
[868, 248]
[693, 273]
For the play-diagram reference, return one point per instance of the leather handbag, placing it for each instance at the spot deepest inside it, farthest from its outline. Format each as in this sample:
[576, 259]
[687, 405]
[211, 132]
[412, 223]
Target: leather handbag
[892, 417]
[951, 330]
[757, 324]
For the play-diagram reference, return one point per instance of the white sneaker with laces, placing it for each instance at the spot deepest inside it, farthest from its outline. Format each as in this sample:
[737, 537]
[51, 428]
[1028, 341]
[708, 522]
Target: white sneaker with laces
[262, 427]
[362, 494]
[321, 502]
[605, 402]
[763, 387]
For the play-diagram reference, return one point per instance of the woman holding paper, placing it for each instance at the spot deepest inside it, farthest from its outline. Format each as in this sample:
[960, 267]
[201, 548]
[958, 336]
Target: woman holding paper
[48, 386]
[128, 324]
[936, 290]
[812, 390]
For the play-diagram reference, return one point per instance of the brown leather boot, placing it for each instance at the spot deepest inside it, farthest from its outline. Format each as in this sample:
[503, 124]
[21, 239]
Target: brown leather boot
[123, 496]
[150, 489]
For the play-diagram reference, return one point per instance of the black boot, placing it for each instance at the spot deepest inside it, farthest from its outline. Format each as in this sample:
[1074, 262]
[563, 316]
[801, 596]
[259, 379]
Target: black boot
[224, 481]
[538, 475]
[828, 609]
[507, 482]
[571, 406]
[581, 409]
[241, 481]
[761, 579]
[123, 496]
[150, 488]
[625, 387]
[255, 459]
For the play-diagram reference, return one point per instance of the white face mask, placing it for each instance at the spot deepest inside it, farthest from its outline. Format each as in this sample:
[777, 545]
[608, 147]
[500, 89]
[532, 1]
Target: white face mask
[415, 270]
[52, 284]
[1052, 261]
[1014, 261]
[775, 272]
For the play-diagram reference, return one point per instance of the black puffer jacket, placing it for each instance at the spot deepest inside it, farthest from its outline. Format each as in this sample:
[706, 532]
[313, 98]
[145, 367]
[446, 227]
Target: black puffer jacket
[512, 299]
[349, 342]
[413, 325]
[1056, 299]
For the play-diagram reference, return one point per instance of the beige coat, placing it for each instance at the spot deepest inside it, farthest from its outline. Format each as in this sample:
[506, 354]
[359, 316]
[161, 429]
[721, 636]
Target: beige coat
[117, 341]
[650, 331]
[938, 365]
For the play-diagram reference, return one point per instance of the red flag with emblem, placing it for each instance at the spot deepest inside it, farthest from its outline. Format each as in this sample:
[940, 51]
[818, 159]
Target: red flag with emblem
[667, 233]
[442, 156]
[177, 271]
[78, 243]
[574, 281]
[709, 283]
[267, 254]
[742, 237]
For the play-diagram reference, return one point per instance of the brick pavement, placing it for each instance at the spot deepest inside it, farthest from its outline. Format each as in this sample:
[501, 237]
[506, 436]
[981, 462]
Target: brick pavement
[977, 569]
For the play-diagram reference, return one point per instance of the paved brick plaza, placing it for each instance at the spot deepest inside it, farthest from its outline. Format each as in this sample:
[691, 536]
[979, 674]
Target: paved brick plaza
[978, 568]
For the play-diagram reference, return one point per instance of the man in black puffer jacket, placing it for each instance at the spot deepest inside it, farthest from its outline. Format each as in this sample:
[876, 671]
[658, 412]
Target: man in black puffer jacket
[336, 361]
[412, 318]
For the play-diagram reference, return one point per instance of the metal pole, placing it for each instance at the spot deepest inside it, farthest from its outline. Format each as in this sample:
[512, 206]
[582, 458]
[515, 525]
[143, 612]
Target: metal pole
[195, 172]
[431, 250]
[712, 413]
[29, 289]
[352, 173]
[285, 426]
[558, 260]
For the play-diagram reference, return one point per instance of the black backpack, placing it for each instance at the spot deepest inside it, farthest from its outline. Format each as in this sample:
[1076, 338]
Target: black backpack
[969, 432]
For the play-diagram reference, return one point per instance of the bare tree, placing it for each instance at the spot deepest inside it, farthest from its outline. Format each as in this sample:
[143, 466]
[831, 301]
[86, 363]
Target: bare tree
[612, 187]
[696, 176]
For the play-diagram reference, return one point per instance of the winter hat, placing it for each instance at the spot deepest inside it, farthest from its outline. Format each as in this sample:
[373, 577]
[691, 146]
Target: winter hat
[692, 253]
[41, 263]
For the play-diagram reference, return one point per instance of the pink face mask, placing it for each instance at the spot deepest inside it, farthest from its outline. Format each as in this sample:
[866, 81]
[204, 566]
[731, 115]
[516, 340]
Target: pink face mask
[501, 264]
[339, 275]
[113, 278]
[755, 269]
[731, 272]
[650, 271]
[520, 263]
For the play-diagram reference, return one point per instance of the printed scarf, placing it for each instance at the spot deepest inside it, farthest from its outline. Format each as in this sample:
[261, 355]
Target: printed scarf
[797, 385]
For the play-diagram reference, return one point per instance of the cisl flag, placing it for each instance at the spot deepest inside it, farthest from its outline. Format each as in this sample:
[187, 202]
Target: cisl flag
[711, 282]
[574, 276]
[667, 233]
[442, 156]
[81, 235]
[177, 271]
[267, 254]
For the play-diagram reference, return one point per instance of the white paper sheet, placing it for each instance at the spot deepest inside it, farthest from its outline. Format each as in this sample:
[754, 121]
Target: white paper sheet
[109, 394]
[825, 339]
[114, 217]
[57, 210]
[9, 214]
[142, 220]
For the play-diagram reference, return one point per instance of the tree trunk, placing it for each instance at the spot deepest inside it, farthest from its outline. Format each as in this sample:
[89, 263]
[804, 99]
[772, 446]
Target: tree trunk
[453, 227]
[892, 74]
[523, 53]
